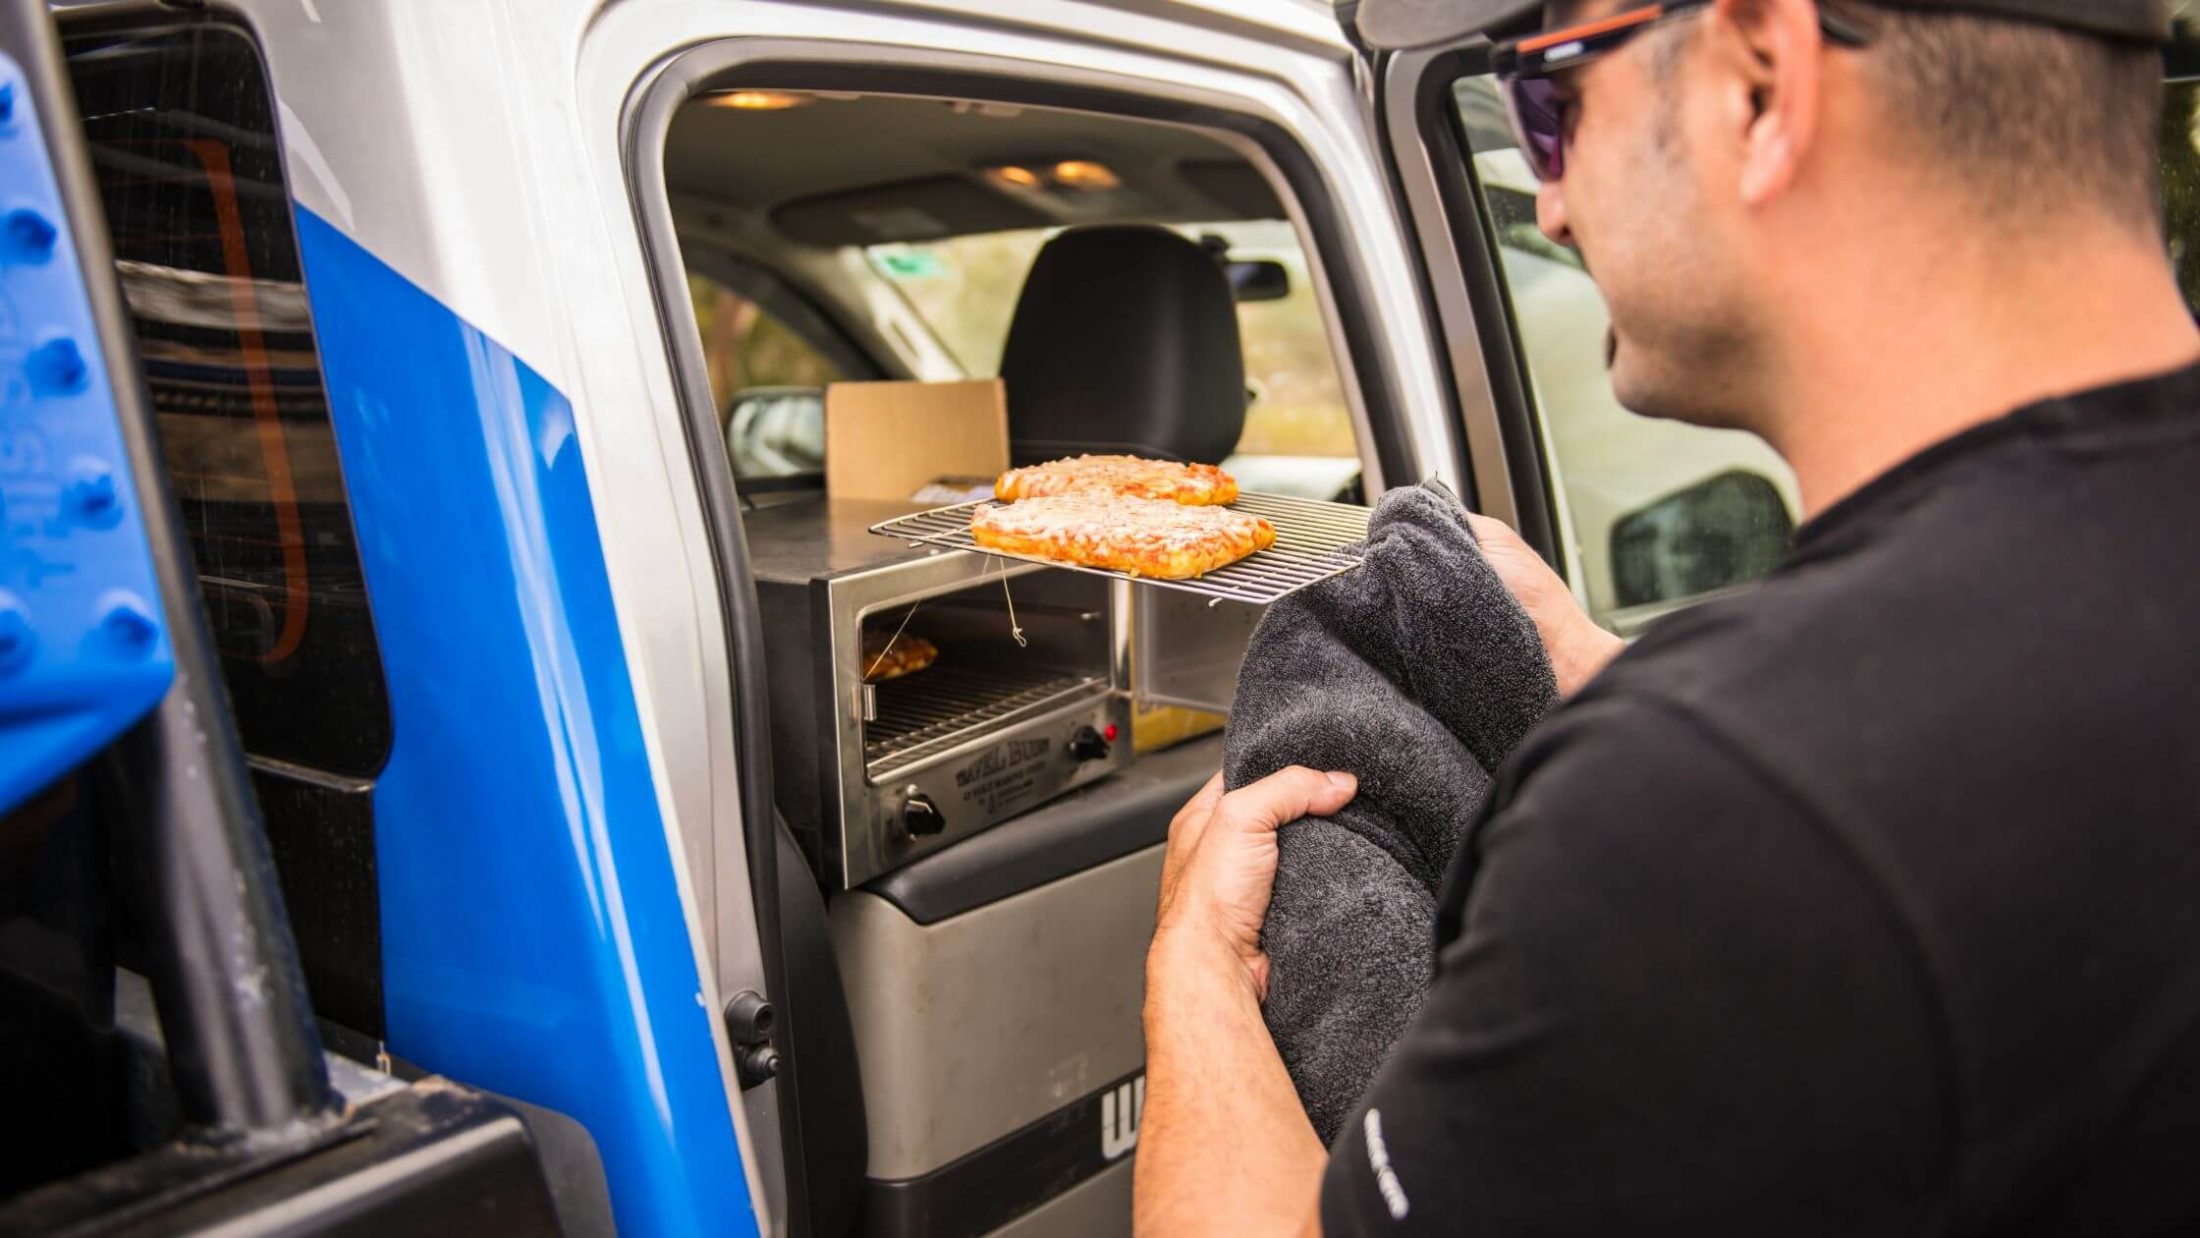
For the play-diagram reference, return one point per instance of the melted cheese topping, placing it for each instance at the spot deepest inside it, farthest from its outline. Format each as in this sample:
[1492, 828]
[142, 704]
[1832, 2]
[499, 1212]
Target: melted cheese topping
[1122, 475]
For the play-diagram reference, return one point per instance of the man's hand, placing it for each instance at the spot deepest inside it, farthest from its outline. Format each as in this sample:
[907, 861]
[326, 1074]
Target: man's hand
[1220, 868]
[1224, 1147]
[1578, 648]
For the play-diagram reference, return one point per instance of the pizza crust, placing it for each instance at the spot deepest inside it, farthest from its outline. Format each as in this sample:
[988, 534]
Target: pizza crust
[1132, 476]
[1168, 541]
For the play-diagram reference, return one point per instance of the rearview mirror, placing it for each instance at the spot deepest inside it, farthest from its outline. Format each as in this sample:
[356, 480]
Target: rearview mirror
[1258, 280]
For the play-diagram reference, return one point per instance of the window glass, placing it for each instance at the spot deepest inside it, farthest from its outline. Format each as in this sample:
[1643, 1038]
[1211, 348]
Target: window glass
[769, 356]
[2180, 146]
[182, 139]
[965, 288]
[1655, 513]
[746, 346]
[1298, 406]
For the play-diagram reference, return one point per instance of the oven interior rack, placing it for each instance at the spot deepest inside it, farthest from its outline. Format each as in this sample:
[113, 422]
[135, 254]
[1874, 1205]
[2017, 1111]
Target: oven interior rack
[929, 711]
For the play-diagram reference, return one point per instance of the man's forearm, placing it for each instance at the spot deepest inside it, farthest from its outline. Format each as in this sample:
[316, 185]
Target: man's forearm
[1223, 1146]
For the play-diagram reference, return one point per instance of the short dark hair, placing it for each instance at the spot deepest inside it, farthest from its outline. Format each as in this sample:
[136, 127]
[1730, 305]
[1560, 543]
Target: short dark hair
[2032, 117]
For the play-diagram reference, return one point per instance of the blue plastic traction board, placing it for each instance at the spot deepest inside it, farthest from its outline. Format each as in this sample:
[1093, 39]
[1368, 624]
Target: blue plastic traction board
[84, 649]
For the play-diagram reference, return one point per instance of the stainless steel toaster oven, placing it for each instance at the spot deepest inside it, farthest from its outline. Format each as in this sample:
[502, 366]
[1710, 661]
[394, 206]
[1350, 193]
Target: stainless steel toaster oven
[871, 776]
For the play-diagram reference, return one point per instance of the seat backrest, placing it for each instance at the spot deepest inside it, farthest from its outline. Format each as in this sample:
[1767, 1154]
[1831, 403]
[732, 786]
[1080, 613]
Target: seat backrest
[1125, 339]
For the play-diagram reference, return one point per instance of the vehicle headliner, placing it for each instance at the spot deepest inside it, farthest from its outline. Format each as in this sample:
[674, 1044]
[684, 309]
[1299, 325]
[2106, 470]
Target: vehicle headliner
[839, 161]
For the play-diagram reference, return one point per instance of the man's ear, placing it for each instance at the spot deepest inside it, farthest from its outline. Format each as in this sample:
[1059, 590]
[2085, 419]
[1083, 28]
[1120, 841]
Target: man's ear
[1773, 53]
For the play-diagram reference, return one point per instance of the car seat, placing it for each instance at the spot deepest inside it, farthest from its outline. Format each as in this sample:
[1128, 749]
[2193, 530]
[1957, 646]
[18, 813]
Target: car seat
[1125, 339]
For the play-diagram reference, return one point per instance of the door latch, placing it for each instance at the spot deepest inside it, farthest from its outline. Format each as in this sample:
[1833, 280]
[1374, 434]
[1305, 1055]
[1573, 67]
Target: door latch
[750, 1023]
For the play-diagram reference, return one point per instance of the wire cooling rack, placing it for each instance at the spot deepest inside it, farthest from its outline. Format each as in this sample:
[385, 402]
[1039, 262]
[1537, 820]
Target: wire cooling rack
[1313, 541]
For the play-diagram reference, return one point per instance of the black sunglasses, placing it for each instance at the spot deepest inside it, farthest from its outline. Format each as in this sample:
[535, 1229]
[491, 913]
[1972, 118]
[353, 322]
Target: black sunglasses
[1525, 68]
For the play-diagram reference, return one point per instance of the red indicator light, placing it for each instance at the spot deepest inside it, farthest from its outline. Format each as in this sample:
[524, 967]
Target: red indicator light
[1108, 732]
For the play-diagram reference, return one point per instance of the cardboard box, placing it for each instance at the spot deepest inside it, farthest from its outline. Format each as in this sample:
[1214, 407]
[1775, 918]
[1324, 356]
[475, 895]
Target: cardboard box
[890, 441]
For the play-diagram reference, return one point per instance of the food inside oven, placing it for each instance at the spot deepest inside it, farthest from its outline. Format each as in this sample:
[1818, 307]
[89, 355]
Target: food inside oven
[891, 655]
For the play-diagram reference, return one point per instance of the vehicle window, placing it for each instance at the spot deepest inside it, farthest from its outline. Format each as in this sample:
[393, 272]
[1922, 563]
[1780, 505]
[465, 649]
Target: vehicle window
[182, 140]
[1655, 513]
[746, 345]
[769, 356]
[2180, 146]
[965, 288]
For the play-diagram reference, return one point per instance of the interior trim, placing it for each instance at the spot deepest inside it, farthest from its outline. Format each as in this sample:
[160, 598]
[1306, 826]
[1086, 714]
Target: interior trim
[1014, 1174]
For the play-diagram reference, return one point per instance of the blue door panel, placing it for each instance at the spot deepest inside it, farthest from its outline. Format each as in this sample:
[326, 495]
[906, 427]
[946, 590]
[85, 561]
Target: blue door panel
[533, 941]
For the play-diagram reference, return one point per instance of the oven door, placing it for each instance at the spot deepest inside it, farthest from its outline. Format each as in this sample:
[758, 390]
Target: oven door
[1022, 697]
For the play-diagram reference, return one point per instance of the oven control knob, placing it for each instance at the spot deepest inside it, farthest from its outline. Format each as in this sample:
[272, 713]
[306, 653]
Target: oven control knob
[921, 817]
[1087, 744]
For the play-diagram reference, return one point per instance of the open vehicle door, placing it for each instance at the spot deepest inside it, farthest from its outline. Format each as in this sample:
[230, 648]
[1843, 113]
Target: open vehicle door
[1641, 516]
[1416, 55]
[158, 1051]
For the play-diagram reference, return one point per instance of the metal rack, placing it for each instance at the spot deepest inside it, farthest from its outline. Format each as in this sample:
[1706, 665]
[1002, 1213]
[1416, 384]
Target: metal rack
[931, 710]
[1313, 541]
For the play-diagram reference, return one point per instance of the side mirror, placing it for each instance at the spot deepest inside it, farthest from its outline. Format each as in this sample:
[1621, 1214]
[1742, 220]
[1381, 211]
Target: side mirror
[1721, 532]
[1258, 280]
[776, 432]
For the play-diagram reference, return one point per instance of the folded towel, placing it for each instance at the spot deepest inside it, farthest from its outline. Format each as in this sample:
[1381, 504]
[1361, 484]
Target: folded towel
[1419, 673]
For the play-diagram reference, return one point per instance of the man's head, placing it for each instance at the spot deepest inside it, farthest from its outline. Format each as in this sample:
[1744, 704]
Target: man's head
[1738, 175]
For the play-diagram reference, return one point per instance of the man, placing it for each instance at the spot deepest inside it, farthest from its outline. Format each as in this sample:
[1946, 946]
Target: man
[1867, 902]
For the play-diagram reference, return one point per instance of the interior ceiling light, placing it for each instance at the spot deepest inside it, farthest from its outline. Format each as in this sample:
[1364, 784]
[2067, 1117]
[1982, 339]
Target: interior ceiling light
[757, 100]
[1085, 174]
[1060, 180]
[1016, 174]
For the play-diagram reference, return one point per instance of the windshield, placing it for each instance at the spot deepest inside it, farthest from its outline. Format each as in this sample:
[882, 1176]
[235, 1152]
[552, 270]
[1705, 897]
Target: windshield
[965, 289]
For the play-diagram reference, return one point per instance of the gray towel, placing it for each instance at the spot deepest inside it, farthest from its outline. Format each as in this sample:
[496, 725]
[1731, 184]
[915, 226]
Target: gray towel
[1419, 673]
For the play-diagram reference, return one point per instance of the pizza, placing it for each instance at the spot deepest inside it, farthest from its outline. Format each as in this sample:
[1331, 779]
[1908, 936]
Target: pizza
[1169, 541]
[891, 657]
[1192, 484]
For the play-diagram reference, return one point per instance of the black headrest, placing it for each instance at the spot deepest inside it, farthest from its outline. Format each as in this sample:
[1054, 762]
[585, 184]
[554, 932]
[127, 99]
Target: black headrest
[1125, 340]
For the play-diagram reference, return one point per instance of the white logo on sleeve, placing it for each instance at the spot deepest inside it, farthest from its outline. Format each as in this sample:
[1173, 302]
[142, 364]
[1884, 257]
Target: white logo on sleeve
[1378, 1159]
[1120, 1110]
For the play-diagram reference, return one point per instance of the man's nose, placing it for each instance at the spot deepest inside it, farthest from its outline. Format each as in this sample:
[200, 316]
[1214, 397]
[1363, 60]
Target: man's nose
[1550, 213]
